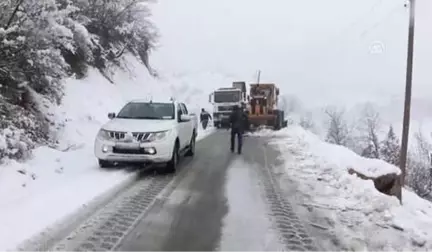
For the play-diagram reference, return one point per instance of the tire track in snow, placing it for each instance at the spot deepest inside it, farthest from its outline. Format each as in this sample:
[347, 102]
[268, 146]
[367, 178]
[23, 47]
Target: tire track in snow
[291, 229]
[105, 230]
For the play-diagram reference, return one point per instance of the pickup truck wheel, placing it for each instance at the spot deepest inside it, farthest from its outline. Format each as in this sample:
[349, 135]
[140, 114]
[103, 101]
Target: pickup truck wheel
[105, 164]
[191, 150]
[171, 166]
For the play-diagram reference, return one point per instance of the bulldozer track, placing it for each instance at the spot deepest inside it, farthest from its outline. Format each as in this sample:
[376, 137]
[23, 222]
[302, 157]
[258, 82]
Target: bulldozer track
[292, 232]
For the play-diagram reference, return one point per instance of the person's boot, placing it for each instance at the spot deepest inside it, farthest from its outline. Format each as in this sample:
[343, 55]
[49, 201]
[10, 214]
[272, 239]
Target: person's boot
[232, 143]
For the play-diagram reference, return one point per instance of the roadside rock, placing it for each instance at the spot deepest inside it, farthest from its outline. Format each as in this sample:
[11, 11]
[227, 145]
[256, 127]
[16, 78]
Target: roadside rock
[387, 184]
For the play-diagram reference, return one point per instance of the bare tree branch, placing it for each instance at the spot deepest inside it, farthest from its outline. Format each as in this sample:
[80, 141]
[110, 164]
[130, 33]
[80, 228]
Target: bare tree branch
[9, 22]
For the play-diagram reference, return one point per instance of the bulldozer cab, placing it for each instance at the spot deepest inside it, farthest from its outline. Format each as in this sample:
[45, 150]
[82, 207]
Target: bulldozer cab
[258, 106]
[263, 106]
[262, 99]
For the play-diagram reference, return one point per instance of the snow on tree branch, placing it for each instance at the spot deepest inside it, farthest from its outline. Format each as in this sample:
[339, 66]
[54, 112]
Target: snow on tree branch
[419, 169]
[337, 132]
[44, 41]
[369, 126]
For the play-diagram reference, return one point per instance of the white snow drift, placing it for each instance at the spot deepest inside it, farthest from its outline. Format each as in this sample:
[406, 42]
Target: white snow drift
[363, 217]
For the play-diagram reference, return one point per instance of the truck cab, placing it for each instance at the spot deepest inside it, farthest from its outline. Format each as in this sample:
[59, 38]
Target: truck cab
[224, 100]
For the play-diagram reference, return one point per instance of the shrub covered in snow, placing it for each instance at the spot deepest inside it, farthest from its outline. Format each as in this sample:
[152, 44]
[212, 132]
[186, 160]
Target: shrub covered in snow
[44, 41]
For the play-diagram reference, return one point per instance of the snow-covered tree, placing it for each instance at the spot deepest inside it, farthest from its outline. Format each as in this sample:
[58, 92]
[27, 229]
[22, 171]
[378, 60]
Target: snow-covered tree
[43, 41]
[370, 151]
[337, 132]
[390, 148]
[118, 26]
[306, 122]
[419, 169]
[369, 125]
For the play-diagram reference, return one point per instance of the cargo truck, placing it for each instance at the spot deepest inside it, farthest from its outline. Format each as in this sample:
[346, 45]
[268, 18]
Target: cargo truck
[224, 99]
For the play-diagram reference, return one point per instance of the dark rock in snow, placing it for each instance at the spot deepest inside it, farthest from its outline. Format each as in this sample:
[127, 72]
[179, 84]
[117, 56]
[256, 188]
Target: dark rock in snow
[387, 184]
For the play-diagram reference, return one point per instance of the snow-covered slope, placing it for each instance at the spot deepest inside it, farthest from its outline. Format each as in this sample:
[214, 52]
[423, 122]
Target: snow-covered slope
[351, 208]
[58, 181]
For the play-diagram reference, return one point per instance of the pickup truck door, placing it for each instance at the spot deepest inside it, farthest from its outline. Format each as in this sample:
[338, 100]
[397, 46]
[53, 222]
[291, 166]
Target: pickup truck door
[189, 125]
[182, 127]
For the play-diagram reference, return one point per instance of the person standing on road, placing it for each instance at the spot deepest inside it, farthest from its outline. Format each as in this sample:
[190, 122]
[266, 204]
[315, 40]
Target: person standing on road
[204, 118]
[238, 120]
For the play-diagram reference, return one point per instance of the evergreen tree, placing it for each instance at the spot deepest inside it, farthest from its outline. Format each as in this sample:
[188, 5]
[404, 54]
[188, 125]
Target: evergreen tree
[390, 148]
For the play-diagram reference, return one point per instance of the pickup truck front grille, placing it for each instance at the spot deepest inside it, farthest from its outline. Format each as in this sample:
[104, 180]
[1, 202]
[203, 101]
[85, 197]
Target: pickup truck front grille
[117, 135]
[138, 136]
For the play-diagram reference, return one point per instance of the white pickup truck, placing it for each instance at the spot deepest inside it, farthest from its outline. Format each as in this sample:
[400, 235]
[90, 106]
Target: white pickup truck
[147, 131]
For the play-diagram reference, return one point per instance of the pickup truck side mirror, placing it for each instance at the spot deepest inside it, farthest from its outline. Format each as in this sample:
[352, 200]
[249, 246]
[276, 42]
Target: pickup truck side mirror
[185, 118]
[111, 116]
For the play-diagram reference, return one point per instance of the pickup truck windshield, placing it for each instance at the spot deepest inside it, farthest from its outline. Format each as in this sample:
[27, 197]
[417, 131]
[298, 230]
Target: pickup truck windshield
[227, 96]
[147, 110]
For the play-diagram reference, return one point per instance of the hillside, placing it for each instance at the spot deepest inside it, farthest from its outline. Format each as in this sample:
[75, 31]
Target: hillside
[45, 42]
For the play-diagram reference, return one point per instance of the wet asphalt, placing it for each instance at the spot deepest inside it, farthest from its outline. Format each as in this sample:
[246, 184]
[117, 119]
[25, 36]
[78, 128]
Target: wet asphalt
[191, 218]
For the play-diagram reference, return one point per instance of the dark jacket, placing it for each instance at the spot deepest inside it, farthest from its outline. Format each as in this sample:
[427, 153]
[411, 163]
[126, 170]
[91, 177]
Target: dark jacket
[238, 120]
[205, 116]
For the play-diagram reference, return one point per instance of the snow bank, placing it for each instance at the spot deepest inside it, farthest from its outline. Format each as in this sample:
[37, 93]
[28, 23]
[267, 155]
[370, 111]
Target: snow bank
[341, 156]
[59, 180]
[47, 188]
[363, 217]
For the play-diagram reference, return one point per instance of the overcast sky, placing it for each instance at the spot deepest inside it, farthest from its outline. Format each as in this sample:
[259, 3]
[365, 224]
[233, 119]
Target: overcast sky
[322, 51]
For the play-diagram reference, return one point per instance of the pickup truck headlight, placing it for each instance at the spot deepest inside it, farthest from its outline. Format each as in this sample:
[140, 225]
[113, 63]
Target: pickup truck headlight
[156, 136]
[103, 134]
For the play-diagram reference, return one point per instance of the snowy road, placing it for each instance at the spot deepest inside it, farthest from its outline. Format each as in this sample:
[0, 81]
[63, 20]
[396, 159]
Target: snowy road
[217, 201]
